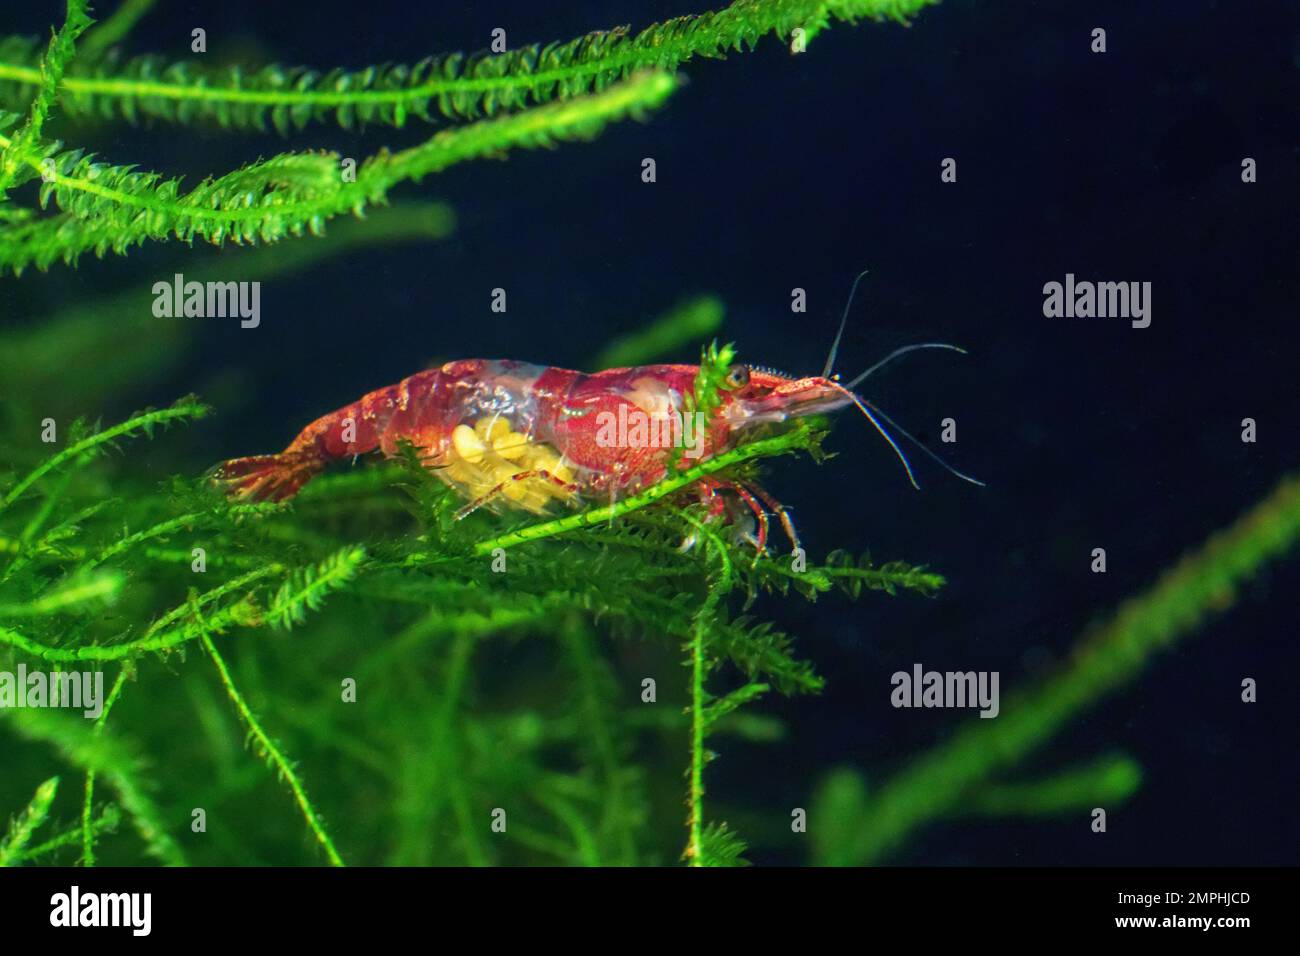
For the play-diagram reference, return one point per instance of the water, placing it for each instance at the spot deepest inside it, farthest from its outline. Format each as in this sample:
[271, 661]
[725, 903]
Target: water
[777, 172]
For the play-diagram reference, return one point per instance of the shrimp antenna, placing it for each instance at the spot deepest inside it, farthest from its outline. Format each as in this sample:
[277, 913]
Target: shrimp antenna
[875, 416]
[835, 346]
[862, 407]
[917, 442]
[903, 351]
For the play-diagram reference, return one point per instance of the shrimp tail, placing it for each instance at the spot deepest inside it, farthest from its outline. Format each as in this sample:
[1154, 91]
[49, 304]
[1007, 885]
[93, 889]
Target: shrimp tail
[266, 477]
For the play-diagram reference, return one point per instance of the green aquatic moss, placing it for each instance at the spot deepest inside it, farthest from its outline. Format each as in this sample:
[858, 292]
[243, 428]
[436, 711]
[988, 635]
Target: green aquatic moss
[405, 677]
[528, 98]
[269, 568]
[102, 570]
[451, 86]
[958, 776]
[367, 577]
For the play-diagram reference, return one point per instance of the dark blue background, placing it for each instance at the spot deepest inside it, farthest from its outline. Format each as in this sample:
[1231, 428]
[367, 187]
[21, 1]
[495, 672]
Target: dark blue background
[777, 171]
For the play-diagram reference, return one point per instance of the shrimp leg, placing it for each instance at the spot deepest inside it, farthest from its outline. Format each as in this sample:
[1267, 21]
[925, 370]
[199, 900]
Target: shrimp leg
[512, 482]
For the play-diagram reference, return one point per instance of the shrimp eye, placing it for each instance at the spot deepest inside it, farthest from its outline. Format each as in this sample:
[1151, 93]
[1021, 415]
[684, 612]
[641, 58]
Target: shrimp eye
[738, 376]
